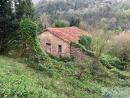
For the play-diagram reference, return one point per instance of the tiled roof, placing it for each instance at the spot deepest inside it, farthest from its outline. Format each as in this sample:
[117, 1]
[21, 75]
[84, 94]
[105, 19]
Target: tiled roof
[69, 34]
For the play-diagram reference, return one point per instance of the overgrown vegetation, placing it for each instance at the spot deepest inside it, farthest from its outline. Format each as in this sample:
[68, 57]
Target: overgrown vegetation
[59, 23]
[29, 32]
[19, 80]
[39, 75]
[25, 82]
[12, 11]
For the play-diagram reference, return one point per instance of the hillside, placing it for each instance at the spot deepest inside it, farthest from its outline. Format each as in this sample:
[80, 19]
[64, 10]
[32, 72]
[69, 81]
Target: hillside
[19, 81]
[29, 70]
[93, 14]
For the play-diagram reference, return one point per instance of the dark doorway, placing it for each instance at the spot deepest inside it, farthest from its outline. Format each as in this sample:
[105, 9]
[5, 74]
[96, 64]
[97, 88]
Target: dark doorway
[60, 48]
[48, 47]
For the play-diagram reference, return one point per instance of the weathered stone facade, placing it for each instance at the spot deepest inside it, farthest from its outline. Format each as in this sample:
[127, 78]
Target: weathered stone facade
[78, 54]
[48, 38]
[57, 42]
[67, 50]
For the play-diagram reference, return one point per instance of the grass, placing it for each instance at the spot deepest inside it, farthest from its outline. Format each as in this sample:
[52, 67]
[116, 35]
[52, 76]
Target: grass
[17, 80]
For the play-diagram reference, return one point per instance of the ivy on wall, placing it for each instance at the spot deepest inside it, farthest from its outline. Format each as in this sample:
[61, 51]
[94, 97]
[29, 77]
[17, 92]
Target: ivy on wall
[31, 41]
[83, 49]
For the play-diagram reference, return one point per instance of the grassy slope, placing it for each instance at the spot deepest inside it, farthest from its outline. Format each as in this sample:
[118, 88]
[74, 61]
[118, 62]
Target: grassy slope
[19, 81]
[16, 79]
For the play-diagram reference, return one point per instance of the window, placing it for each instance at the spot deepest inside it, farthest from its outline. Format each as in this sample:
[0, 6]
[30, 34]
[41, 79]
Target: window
[48, 47]
[79, 41]
[59, 48]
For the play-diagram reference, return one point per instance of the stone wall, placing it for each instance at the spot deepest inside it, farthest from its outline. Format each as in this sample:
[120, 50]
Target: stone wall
[47, 37]
[78, 54]
[67, 50]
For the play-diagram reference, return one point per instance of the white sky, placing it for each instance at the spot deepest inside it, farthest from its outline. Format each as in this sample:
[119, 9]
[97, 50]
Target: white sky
[35, 1]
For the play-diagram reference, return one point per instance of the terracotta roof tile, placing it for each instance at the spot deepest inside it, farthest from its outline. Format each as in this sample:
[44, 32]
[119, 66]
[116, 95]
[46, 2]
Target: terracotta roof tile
[69, 34]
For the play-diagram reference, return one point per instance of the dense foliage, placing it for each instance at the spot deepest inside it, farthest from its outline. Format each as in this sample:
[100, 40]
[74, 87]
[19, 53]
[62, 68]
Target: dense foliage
[88, 14]
[12, 11]
[86, 41]
[17, 80]
[111, 62]
[38, 75]
[59, 23]
[7, 26]
[75, 21]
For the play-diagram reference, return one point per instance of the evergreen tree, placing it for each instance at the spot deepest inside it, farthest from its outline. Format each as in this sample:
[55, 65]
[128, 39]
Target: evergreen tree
[11, 13]
[75, 21]
[7, 25]
[24, 9]
[29, 8]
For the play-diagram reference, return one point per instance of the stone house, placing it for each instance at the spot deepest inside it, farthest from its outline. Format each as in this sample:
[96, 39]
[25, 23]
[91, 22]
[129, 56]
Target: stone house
[57, 41]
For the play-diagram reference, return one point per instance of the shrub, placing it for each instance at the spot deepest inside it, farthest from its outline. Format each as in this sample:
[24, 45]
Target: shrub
[75, 21]
[128, 60]
[83, 49]
[120, 45]
[86, 41]
[120, 74]
[31, 42]
[30, 38]
[63, 59]
[111, 62]
[59, 23]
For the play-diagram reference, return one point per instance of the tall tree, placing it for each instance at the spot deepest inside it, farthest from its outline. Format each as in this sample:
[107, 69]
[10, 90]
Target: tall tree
[7, 25]
[24, 9]
[11, 13]
[75, 21]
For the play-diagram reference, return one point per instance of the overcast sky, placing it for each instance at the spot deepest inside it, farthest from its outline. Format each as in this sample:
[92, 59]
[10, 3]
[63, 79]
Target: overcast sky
[35, 1]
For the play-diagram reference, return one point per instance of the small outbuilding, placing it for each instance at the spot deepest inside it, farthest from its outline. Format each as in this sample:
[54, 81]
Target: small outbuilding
[57, 41]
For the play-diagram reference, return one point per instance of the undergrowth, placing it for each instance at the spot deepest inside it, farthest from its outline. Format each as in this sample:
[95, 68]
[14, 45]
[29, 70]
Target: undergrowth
[60, 80]
[45, 77]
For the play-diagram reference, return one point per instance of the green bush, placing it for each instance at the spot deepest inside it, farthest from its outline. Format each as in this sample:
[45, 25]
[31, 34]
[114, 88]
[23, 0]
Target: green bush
[111, 62]
[59, 23]
[63, 59]
[120, 74]
[86, 41]
[75, 21]
[30, 37]
[83, 49]
[128, 60]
